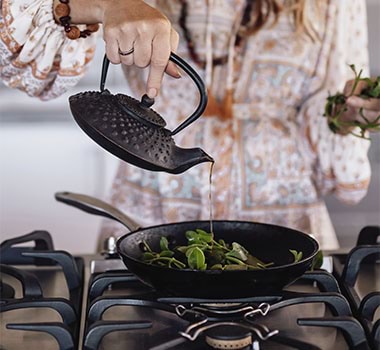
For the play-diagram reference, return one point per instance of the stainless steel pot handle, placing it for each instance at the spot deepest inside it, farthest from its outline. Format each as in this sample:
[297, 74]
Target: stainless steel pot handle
[96, 206]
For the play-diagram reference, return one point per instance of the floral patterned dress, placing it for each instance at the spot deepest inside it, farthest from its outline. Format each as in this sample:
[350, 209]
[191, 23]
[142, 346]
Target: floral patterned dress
[35, 54]
[275, 158]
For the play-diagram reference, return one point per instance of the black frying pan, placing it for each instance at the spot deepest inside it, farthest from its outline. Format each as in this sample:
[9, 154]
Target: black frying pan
[267, 242]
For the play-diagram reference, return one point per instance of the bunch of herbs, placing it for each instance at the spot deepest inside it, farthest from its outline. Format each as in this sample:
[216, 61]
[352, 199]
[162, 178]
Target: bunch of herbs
[336, 105]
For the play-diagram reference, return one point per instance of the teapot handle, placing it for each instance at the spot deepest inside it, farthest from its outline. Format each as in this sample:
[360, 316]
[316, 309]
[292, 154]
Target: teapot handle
[193, 75]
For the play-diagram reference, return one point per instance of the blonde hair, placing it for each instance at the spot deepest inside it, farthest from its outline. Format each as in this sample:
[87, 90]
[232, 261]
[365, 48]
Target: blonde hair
[259, 12]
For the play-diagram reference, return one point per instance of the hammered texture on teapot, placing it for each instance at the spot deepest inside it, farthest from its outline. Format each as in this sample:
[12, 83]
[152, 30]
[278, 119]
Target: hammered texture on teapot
[145, 137]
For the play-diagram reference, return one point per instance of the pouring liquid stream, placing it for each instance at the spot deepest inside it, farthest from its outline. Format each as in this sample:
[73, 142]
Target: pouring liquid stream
[210, 199]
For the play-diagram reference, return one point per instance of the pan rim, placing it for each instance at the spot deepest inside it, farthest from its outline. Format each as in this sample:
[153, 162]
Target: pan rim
[274, 268]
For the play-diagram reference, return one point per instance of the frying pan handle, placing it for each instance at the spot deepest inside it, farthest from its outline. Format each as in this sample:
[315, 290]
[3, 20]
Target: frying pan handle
[96, 206]
[180, 62]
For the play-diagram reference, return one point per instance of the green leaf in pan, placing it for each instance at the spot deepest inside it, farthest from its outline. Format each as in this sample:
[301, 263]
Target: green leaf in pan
[196, 259]
[203, 250]
[317, 261]
[164, 244]
[148, 256]
[234, 260]
[297, 255]
[205, 236]
[198, 237]
[238, 251]
[167, 253]
[257, 263]
[216, 267]
[235, 267]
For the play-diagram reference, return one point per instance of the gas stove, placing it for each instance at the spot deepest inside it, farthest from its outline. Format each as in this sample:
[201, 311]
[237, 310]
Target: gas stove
[52, 299]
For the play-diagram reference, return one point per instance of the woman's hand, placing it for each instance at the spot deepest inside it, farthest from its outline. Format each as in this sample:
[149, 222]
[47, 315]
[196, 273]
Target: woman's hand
[132, 25]
[370, 106]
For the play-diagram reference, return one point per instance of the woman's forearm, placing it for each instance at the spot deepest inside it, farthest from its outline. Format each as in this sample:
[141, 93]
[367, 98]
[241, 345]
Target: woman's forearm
[93, 11]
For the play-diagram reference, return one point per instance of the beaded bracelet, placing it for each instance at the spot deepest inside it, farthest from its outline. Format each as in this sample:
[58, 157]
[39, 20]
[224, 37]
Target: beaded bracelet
[62, 12]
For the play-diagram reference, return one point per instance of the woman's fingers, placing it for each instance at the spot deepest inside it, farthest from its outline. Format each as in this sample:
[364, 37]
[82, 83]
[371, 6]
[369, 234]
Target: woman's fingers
[158, 62]
[143, 51]
[112, 47]
[171, 68]
[126, 52]
[358, 88]
[359, 110]
[357, 107]
[371, 104]
[370, 116]
[133, 24]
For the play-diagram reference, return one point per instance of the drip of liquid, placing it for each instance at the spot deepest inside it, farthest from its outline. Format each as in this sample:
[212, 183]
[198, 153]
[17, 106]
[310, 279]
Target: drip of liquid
[210, 198]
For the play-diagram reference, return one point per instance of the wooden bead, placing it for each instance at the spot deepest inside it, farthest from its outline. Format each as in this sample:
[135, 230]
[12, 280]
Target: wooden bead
[92, 27]
[74, 33]
[62, 10]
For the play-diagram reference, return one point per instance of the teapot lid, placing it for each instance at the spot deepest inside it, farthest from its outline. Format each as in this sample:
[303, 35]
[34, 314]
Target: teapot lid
[140, 109]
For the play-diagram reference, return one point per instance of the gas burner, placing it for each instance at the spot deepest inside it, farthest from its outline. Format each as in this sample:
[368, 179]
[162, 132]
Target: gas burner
[230, 310]
[228, 337]
[228, 327]
[216, 306]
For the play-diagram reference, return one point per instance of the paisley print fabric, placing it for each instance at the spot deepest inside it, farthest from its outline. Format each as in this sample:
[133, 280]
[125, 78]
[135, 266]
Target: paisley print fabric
[275, 158]
[35, 54]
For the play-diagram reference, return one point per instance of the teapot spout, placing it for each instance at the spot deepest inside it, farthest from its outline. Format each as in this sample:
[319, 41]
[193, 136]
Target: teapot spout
[185, 158]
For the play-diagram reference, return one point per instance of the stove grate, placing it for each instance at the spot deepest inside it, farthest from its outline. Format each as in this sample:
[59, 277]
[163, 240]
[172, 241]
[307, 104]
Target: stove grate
[66, 332]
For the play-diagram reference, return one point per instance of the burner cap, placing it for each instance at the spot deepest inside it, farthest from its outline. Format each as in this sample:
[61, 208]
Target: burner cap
[228, 337]
[223, 306]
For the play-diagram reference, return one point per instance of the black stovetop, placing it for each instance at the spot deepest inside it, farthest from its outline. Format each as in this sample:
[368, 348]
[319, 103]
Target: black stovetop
[52, 299]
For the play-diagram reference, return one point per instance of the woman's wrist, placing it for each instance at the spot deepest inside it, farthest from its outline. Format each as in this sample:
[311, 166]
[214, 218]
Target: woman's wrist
[70, 14]
[85, 12]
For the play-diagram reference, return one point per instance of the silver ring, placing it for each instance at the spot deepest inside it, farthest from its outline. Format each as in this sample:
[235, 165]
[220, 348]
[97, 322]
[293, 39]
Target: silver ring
[126, 53]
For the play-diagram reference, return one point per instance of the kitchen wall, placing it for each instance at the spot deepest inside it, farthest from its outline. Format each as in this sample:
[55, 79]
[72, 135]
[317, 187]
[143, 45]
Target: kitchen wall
[43, 151]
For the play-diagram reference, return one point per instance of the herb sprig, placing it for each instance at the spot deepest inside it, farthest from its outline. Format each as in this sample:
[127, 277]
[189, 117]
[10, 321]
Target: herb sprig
[336, 105]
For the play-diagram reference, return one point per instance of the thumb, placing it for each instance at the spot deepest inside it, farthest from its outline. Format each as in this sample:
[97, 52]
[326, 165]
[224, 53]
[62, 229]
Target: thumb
[173, 70]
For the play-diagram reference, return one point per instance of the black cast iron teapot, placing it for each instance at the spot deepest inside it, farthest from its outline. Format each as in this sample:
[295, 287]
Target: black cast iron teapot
[134, 132]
